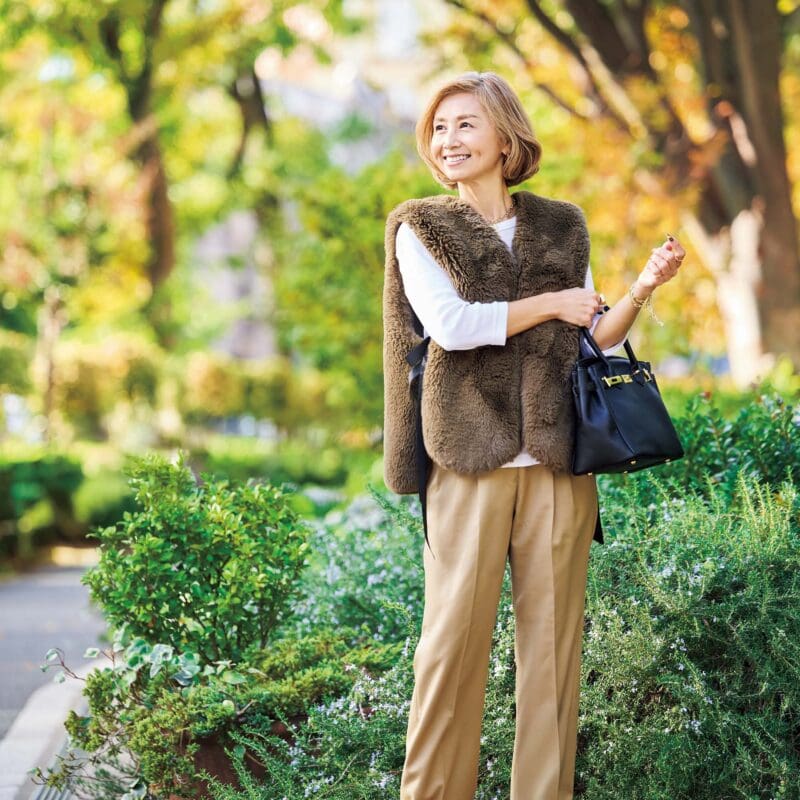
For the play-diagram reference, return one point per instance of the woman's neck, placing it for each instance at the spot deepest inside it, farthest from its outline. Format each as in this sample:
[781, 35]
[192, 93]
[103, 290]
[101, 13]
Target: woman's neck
[491, 202]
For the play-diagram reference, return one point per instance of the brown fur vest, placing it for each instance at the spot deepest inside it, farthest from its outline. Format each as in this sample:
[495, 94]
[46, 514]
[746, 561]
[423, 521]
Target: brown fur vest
[481, 406]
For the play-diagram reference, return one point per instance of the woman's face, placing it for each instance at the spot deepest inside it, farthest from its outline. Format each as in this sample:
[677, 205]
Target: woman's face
[465, 144]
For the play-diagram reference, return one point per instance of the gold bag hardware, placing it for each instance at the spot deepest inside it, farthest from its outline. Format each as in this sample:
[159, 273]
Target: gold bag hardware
[615, 379]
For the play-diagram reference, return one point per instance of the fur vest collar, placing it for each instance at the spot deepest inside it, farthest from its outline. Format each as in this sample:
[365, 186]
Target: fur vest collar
[481, 406]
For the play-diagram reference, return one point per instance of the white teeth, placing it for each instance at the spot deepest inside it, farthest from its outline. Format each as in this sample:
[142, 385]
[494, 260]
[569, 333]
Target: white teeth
[456, 159]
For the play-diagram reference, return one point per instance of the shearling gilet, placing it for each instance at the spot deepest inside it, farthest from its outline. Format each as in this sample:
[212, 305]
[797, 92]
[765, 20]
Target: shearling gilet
[480, 407]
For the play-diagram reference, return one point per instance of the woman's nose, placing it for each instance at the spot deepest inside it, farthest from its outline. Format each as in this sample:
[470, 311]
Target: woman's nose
[451, 138]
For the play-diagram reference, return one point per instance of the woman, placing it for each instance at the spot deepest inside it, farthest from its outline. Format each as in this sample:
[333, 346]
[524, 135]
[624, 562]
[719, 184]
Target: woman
[501, 283]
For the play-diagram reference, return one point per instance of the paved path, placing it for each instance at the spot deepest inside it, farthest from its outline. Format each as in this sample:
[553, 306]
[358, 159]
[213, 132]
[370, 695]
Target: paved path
[48, 607]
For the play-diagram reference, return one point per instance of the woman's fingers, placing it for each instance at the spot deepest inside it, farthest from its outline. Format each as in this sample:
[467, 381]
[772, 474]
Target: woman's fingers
[673, 251]
[673, 245]
[661, 258]
[579, 305]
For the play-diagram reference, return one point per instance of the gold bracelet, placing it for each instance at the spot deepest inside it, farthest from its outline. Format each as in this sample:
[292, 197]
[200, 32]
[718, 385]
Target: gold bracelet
[648, 301]
[636, 303]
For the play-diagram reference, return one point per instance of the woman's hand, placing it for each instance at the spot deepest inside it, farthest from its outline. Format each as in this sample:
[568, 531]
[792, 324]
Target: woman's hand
[577, 306]
[662, 265]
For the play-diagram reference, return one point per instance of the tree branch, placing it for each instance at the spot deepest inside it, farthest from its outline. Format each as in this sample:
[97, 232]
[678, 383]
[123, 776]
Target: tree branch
[140, 87]
[574, 49]
[253, 111]
[617, 36]
[109, 38]
[508, 39]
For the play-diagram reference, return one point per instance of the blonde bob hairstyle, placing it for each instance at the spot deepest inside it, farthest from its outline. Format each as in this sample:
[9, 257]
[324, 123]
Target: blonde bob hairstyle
[506, 112]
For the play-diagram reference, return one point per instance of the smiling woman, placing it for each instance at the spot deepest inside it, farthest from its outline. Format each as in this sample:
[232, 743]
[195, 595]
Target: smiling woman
[499, 285]
[469, 120]
[465, 145]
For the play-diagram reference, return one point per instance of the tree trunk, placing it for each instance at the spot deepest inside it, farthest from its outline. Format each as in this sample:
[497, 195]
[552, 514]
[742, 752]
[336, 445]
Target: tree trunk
[745, 225]
[159, 216]
[731, 255]
[747, 196]
[138, 86]
[758, 45]
[52, 319]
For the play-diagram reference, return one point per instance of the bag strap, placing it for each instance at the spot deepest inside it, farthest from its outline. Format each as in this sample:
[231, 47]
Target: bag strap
[417, 358]
[595, 348]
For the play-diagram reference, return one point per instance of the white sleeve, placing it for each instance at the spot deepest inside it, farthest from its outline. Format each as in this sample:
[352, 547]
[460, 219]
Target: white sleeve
[590, 285]
[452, 322]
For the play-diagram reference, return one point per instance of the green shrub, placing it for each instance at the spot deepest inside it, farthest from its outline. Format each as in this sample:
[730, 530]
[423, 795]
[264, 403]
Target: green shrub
[217, 386]
[295, 673]
[103, 498]
[761, 441]
[164, 709]
[690, 673]
[365, 570]
[351, 747]
[207, 567]
[692, 660]
[35, 478]
[213, 387]
[36, 475]
[92, 377]
[782, 380]
[267, 387]
[293, 461]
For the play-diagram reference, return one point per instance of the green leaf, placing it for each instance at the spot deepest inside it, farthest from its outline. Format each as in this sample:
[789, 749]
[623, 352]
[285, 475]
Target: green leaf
[161, 653]
[129, 676]
[191, 625]
[233, 677]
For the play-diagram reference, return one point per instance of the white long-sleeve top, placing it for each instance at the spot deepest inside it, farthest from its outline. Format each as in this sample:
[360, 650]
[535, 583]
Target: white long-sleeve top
[452, 322]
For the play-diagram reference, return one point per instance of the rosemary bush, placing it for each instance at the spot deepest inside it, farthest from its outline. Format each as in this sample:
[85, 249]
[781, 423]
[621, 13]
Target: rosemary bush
[365, 570]
[690, 674]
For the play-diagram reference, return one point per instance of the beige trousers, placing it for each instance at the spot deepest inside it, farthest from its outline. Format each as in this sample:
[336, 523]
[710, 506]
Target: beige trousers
[543, 523]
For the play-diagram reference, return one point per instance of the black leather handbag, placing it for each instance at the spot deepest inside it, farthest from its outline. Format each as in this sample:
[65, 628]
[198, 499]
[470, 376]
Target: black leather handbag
[621, 423]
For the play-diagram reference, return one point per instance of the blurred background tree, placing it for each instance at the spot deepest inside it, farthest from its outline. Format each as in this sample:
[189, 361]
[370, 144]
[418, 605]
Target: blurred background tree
[693, 91]
[194, 194]
[128, 126]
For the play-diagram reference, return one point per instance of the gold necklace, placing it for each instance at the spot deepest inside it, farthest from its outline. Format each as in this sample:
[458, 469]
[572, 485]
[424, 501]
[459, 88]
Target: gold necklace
[505, 215]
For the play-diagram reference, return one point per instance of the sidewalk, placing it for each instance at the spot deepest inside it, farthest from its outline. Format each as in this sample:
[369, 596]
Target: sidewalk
[47, 607]
[36, 735]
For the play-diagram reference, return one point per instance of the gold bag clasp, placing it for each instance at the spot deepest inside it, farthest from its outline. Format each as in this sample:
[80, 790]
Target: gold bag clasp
[615, 379]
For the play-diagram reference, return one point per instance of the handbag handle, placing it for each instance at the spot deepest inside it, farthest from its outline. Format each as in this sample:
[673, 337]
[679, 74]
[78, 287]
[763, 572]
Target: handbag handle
[595, 348]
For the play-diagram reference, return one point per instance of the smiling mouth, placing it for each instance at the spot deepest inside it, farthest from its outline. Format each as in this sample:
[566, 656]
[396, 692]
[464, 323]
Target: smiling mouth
[456, 159]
